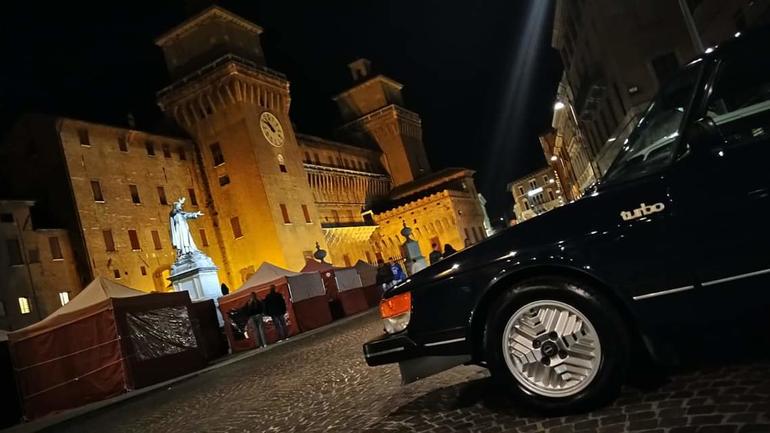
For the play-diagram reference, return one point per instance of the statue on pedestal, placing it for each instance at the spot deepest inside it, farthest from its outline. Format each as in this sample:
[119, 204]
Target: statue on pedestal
[415, 261]
[193, 271]
[181, 238]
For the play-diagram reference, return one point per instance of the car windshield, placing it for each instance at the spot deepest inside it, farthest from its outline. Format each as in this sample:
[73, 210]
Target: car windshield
[650, 146]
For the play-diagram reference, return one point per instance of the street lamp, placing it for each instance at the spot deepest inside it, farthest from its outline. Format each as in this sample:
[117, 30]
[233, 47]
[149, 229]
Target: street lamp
[554, 158]
[558, 106]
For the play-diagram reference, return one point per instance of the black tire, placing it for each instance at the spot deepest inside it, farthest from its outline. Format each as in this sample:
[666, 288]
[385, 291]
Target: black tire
[612, 333]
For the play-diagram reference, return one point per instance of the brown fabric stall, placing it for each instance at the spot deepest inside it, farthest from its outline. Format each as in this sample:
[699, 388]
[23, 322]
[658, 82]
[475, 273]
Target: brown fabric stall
[367, 272]
[267, 275]
[372, 291]
[326, 271]
[351, 291]
[107, 340]
[11, 413]
[214, 342]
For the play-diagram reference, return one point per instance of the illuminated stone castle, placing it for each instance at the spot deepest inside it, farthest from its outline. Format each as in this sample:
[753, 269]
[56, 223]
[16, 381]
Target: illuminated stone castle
[268, 192]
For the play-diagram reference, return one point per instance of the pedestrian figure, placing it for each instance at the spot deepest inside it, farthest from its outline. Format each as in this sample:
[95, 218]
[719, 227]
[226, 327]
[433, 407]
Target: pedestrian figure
[435, 255]
[256, 310]
[275, 307]
[384, 275]
[398, 273]
[449, 250]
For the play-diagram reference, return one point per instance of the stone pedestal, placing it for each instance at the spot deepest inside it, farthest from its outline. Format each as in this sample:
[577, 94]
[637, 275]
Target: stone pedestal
[197, 274]
[414, 256]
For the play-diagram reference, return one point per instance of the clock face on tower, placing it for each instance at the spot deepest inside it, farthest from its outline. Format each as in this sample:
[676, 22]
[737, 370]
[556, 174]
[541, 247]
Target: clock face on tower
[271, 128]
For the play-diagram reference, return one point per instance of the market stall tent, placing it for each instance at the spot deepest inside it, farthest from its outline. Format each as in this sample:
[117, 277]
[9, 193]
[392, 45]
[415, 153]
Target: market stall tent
[109, 339]
[368, 274]
[305, 303]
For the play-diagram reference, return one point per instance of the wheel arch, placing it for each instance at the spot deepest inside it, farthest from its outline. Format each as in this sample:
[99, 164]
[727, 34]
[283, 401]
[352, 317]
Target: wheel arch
[477, 321]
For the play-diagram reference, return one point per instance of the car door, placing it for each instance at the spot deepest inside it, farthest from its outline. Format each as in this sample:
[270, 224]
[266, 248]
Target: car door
[645, 254]
[728, 209]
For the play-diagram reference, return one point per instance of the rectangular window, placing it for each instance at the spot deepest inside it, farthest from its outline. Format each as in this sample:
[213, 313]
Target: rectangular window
[14, 252]
[182, 155]
[306, 213]
[216, 154]
[156, 240]
[285, 213]
[162, 195]
[166, 150]
[521, 190]
[6, 218]
[150, 146]
[133, 238]
[122, 144]
[224, 180]
[532, 183]
[204, 239]
[134, 194]
[85, 140]
[143, 270]
[235, 224]
[64, 298]
[316, 158]
[193, 198]
[109, 241]
[116, 273]
[56, 254]
[24, 305]
[33, 255]
[96, 189]
[282, 167]
[545, 179]
[335, 215]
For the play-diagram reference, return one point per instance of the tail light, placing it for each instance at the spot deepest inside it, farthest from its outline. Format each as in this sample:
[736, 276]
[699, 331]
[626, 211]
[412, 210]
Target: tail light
[396, 312]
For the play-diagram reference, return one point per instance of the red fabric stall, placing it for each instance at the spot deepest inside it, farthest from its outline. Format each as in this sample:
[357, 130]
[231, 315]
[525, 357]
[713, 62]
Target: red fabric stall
[372, 291]
[107, 340]
[260, 282]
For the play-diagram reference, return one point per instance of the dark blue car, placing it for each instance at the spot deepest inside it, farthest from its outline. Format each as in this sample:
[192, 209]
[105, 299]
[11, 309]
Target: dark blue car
[672, 242]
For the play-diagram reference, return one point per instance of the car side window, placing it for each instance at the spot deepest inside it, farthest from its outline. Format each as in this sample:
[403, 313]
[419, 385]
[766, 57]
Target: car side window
[740, 102]
[651, 145]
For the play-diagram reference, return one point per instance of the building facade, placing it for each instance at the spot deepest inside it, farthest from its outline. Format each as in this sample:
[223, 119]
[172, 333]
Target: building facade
[536, 193]
[39, 267]
[268, 193]
[615, 56]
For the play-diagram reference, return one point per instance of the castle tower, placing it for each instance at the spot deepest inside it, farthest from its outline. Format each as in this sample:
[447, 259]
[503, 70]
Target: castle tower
[237, 111]
[374, 115]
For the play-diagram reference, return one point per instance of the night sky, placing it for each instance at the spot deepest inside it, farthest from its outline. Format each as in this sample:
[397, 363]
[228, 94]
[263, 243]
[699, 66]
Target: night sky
[480, 73]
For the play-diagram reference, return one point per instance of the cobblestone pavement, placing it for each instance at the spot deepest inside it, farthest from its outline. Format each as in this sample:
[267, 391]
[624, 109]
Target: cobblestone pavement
[321, 384]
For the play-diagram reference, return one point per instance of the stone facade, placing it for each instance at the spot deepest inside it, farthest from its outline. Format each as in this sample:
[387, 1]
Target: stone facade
[37, 264]
[268, 193]
[536, 193]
